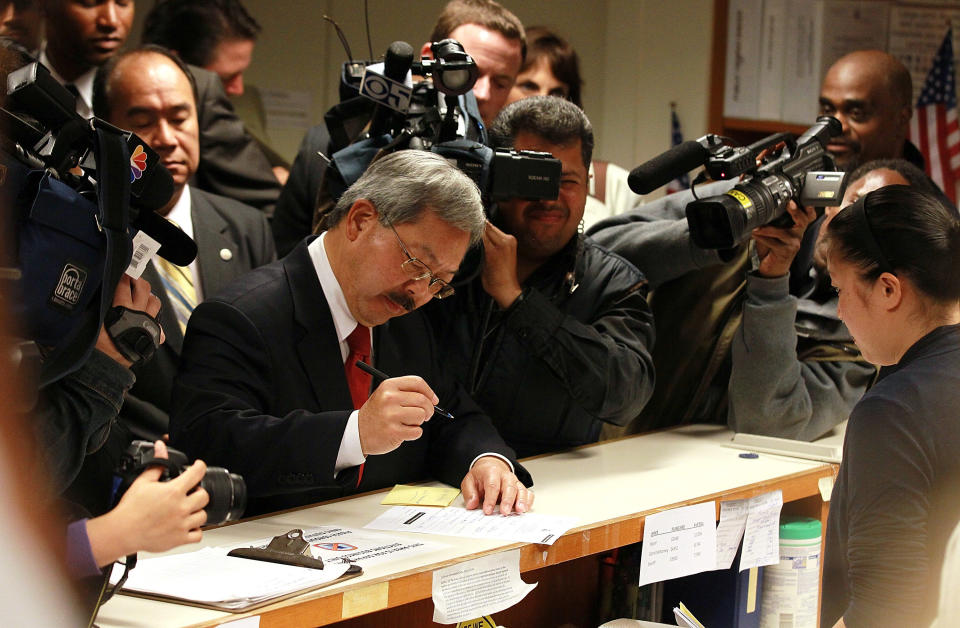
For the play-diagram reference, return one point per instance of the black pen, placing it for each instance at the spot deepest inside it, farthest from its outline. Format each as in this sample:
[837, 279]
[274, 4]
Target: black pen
[363, 366]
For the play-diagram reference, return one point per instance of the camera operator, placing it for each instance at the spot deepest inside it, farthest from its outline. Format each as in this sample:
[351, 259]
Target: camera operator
[553, 336]
[74, 416]
[152, 516]
[491, 34]
[790, 369]
[77, 412]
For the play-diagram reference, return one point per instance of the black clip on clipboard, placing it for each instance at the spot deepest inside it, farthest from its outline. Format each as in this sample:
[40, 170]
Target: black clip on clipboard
[287, 549]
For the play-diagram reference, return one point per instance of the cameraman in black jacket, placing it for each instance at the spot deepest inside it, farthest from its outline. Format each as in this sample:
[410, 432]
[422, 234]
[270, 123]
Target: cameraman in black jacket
[552, 337]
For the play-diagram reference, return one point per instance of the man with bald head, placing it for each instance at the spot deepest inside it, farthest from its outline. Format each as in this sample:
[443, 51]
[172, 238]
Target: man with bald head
[150, 92]
[871, 94]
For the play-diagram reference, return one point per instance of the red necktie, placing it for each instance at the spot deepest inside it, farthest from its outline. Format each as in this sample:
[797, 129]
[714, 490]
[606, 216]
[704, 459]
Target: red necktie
[357, 380]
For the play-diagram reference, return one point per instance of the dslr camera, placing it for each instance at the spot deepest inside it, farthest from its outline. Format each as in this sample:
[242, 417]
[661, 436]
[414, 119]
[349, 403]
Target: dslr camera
[227, 491]
[776, 169]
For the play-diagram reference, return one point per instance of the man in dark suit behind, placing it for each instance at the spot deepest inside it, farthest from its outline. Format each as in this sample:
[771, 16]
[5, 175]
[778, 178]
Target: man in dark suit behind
[151, 93]
[268, 385]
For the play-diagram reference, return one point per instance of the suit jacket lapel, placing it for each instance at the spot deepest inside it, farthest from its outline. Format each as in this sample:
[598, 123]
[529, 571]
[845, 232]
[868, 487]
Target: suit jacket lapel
[212, 235]
[319, 348]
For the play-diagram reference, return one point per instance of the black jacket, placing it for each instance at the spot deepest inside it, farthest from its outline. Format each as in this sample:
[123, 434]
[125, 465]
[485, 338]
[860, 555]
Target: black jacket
[572, 353]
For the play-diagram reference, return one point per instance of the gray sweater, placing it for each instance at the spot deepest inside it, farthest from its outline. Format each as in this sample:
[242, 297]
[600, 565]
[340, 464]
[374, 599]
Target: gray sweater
[793, 370]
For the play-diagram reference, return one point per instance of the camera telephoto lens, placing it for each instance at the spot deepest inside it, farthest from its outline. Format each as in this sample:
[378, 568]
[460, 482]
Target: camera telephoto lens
[228, 495]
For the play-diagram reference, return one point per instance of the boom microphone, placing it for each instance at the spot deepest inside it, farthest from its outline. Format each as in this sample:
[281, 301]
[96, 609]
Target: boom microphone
[396, 64]
[667, 166]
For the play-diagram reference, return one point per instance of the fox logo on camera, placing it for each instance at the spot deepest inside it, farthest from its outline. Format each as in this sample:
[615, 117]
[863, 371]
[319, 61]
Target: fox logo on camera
[385, 91]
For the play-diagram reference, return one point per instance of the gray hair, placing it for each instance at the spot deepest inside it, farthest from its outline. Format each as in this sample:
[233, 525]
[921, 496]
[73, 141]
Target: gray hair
[402, 185]
[556, 120]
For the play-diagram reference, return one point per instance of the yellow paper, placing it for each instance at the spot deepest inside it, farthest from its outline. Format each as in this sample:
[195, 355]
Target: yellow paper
[405, 495]
[686, 611]
[482, 622]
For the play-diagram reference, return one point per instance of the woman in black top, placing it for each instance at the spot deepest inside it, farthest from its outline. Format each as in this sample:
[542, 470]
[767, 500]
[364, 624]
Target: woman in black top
[894, 258]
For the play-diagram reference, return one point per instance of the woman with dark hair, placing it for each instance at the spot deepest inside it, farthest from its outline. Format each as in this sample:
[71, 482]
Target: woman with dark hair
[893, 257]
[551, 67]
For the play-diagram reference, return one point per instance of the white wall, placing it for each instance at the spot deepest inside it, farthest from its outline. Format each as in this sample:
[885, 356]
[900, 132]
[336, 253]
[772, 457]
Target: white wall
[637, 56]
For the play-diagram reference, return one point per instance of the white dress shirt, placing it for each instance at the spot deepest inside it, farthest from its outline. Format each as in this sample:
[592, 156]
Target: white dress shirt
[350, 453]
[83, 83]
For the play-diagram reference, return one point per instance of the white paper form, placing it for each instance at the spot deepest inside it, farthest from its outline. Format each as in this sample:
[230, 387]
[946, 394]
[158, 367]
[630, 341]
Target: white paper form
[336, 545]
[761, 538]
[733, 518]
[209, 575]
[457, 521]
[479, 587]
[678, 542]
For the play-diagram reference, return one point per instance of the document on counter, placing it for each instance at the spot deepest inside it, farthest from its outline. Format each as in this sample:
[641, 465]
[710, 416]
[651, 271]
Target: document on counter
[482, 586]
[208, 577]
[457, 521]
[406, 495]
[336, 545]
[678, 542]
[761, 536]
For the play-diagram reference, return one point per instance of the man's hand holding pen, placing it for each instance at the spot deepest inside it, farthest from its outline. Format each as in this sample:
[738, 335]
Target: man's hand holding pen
[394, 413]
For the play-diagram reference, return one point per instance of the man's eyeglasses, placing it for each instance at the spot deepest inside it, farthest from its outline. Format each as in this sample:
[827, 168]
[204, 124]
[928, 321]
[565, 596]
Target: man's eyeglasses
[417, 270]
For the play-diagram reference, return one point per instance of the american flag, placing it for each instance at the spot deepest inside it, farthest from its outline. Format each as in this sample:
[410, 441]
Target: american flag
[676, 137]
[934, 127]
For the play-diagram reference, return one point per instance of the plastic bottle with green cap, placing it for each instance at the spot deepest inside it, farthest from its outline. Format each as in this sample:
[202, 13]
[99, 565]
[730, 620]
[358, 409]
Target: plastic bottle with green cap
[791, 587]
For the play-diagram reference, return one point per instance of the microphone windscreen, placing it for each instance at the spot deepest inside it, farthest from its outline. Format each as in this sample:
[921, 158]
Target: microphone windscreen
[151, 184]
[398, 60]
[155, 190]
[175, 245]
[667, 166]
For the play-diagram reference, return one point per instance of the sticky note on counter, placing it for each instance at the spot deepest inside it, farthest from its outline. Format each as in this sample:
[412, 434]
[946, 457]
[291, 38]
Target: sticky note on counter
[406, 495]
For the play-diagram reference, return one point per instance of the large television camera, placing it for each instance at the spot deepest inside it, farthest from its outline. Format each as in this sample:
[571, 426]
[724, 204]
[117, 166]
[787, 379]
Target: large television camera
[77, 192]
[774, 170]
[382, 109]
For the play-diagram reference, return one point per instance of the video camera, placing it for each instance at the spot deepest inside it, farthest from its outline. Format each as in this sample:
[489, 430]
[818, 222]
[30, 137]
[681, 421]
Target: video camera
[775, 170]
[78, 191]
[438, 113]
[227, 491]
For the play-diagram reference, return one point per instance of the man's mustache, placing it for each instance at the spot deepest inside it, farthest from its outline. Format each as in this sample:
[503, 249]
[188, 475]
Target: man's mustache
[403, 300]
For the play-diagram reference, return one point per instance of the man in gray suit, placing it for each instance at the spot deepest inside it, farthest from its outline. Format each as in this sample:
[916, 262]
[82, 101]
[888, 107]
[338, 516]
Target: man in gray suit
[150, 92]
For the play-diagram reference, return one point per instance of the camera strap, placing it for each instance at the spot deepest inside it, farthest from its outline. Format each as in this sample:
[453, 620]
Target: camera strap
[113, 192]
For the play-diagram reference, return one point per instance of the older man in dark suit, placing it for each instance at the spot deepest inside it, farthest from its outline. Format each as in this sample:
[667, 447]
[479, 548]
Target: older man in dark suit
[269, 385]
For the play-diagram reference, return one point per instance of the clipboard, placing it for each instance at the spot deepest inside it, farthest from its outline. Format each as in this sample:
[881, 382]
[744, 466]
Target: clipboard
[287, 549]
